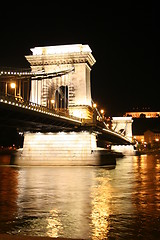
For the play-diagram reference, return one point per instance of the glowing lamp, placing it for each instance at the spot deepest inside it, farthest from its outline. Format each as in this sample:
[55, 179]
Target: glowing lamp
[94, 105]
[102, 111]
[13, 85]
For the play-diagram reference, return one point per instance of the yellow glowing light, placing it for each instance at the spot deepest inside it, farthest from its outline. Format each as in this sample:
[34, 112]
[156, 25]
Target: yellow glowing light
[94, 105]
[13, 85]
[102, 111]
[52, 101]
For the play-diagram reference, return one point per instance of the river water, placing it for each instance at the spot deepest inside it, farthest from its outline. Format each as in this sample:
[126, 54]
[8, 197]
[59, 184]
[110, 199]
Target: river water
[83, 202]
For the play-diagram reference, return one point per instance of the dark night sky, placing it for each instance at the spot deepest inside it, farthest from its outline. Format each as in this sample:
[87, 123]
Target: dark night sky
[124, 40]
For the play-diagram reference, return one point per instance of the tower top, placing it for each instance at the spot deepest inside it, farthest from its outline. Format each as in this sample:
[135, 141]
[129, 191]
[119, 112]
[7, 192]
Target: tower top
[61, 54]
[61, 49]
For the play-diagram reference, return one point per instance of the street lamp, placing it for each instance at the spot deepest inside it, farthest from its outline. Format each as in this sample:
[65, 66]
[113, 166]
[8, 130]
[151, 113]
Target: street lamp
[94, 105]
[94, 112]
[52, 101]
[102, 111]
[13, 86]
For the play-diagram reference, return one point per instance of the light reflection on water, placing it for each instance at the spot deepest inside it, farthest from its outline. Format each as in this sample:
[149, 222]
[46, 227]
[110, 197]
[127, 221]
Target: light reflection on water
[83, 202]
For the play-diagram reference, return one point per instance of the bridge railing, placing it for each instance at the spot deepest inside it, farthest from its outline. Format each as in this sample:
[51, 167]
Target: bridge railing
[14, 71]
[20, 102]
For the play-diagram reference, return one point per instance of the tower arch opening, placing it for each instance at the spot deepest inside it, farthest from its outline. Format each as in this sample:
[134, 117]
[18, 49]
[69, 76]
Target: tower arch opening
[61, 97]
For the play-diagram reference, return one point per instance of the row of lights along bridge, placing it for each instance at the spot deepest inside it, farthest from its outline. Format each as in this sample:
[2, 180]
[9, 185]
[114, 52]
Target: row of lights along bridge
[101, 113]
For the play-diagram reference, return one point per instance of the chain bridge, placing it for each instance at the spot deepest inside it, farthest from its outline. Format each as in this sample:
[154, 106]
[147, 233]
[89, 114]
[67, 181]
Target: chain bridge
[51, 104]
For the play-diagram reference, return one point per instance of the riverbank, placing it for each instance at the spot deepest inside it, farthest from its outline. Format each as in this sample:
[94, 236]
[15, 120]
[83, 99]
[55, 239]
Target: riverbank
[19, 237]
[7, 151]
[147, 151]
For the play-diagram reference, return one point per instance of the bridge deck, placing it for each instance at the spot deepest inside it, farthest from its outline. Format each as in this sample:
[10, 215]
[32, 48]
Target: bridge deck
[30, 116]
[27, 116]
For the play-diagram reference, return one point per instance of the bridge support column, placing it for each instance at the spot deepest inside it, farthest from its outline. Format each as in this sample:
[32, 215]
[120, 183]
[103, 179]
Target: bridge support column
[62, 149]
[125, 149]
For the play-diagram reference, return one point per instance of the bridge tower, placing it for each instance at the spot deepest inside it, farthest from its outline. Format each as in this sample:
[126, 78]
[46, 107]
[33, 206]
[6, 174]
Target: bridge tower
[71, 91]
[123, 125]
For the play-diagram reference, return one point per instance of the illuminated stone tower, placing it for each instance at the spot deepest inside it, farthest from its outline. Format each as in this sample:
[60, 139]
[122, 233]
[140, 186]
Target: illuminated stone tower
[71, 91]
[123, 125]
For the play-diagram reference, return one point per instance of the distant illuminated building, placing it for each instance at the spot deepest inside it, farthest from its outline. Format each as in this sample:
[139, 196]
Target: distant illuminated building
[139, 138]
[140, 114]
[145, 125]
[151, 136]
